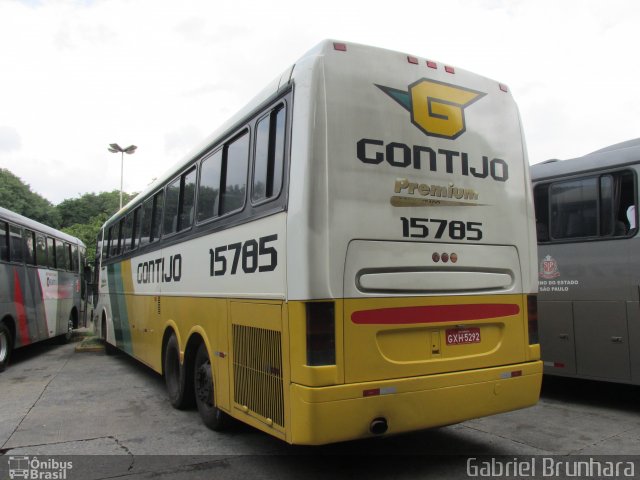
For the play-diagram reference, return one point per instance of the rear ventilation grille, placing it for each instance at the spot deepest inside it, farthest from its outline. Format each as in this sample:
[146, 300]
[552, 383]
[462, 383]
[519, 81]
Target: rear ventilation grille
[257, 367]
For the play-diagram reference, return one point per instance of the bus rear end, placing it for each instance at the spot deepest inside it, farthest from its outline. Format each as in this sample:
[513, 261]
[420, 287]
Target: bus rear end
[411, 252]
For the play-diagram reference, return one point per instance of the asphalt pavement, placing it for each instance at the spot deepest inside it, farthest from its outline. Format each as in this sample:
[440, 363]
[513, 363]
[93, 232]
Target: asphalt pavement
[110, 415]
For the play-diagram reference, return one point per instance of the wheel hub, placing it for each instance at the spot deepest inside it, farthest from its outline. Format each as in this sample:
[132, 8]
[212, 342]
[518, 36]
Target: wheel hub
[4, 346]
[204, 382]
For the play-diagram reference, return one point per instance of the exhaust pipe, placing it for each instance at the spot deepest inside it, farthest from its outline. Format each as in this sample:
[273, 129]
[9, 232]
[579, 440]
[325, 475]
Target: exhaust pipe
[378, 426]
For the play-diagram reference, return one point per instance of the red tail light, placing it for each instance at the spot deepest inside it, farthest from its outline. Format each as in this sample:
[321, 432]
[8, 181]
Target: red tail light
[532, 312]
[321, 333]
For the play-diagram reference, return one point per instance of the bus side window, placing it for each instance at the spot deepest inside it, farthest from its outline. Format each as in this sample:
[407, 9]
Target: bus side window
[234, 174]
[41, 250]
[16, 244]
[51, 252]
[119, 242]
[269, 156]
[187, 202]
[625, 207]
[4, 242]
[179, 204]
[127, 227]
[68, 254]
[156, 223]
[75, 262]
[62, 255]
[134, 228]
[111, 242]
[171, 206]
[30, 247]
[209, 187]
[146, 216]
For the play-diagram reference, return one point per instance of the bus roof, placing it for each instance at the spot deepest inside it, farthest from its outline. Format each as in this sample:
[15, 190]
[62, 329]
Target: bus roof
[37, 226]
[274, 88]
[617, 155]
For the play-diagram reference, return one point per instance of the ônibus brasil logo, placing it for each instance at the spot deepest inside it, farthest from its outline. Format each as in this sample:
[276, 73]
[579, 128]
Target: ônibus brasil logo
[436, 108]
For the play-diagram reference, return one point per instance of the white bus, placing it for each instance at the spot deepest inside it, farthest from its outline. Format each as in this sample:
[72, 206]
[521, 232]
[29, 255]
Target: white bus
[353, 254]
[41, 277]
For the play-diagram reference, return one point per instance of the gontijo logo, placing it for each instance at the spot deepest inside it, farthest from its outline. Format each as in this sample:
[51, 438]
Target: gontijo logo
[436, 108]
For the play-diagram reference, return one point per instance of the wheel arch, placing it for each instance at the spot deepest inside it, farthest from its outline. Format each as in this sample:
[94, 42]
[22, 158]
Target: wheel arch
[168, 331]
[10, 323]
[74, 316]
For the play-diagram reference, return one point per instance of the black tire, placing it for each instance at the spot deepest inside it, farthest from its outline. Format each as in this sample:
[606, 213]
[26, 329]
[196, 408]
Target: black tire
[66, 338]
[108, 348]
[6, 345]
[179, 384]
[204, 387]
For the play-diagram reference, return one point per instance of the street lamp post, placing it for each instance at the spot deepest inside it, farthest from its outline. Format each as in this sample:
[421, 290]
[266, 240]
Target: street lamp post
[115, 148]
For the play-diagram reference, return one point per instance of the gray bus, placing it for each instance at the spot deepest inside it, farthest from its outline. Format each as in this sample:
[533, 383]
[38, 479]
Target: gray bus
[40, 283]
[589, 264]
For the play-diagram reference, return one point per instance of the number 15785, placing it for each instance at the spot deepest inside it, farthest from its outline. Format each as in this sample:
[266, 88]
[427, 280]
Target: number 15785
[436, 228]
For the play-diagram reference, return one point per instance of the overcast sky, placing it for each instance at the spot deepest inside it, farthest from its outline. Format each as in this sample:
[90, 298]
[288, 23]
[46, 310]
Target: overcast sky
[77, 75]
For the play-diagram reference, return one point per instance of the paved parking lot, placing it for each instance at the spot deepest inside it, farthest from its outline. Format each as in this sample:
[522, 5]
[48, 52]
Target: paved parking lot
[56, 401]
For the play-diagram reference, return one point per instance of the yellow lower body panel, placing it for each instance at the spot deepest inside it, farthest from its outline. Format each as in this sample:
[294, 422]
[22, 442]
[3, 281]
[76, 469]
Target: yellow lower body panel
[338, 413]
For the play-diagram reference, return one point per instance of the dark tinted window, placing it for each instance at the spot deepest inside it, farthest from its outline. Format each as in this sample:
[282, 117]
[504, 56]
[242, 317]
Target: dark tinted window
[171, 205]
[4, 242]
[75, 261]
[113, 240]
[30, 247]
[234, 172]
[156, 224]
[135, 228]
[41, 250]
[209, 186]
[179, 203]
[586, 208]
[127, 230]
[51, 252]
[16, 250]
[62, 255]
[269, 158]
[187, 206]
[574, 208]
[146, 218]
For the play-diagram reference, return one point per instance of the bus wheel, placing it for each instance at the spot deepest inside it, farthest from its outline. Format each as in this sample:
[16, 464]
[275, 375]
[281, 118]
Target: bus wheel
[66, 338]
[212, 416]
[6, 344]
[108, 348]
[179, 387]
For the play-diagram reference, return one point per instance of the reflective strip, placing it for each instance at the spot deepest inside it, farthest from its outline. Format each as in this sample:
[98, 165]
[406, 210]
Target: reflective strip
[434, 313]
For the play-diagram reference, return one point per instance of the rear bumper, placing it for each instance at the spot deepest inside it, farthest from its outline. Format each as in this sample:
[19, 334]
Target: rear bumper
[345, 412]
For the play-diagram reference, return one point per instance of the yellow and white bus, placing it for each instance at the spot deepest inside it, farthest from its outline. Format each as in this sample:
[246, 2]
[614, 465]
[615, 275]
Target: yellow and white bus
[353, 254]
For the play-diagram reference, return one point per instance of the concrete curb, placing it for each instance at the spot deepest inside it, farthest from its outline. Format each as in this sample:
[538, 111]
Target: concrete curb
[91, 344]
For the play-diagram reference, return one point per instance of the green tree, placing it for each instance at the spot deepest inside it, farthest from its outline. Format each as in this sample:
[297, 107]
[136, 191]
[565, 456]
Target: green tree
[17, 196]
[88, 233]
[82, 217]
[84, 209]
